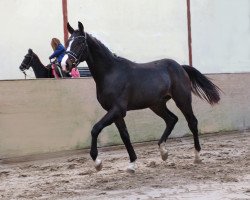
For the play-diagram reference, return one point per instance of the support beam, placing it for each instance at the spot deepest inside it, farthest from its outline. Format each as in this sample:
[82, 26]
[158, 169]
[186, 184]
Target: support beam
[65, 20]
[189, 33]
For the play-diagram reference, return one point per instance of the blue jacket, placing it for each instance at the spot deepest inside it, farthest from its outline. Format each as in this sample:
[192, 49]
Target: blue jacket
[58, 53]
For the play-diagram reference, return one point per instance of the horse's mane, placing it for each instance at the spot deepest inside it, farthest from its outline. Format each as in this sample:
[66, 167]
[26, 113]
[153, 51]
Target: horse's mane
[38, 59]
[44, 67]
[106, 49]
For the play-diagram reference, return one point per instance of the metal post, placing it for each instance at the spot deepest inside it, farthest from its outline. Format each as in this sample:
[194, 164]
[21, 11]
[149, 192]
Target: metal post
[65, 20]
[189, 33]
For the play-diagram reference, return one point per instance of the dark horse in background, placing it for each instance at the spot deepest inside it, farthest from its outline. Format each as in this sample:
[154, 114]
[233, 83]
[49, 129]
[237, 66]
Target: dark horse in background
[123, 85]
[40, 70]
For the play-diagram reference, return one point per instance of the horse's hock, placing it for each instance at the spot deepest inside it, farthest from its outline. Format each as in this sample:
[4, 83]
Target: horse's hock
[42, 116]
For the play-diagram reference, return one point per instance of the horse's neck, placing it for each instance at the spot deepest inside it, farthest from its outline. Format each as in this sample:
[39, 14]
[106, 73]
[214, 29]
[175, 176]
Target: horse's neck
[38, 68]
[100, 59]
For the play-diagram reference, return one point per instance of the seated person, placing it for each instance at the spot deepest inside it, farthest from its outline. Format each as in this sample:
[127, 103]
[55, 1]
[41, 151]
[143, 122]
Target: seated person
[59, 50]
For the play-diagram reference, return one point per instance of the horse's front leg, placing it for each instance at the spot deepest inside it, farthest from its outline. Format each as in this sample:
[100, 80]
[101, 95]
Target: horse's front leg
[121, 126]
[108, 119]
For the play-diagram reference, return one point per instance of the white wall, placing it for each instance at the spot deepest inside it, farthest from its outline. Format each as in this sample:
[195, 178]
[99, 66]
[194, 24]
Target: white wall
[141, 30]
[221, 35]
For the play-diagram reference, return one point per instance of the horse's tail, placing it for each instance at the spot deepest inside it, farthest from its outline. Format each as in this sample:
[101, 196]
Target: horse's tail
[202, 86]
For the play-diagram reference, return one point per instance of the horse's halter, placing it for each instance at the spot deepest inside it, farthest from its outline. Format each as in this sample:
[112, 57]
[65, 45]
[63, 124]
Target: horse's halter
[83, 51]
[26, 66]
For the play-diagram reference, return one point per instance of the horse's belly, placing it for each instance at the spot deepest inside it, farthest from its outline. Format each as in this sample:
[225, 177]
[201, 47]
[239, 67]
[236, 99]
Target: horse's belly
[138, 106]
[146, 101]
[150, 90]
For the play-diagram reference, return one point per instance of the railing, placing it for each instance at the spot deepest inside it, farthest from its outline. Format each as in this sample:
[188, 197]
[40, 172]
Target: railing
[84, 72]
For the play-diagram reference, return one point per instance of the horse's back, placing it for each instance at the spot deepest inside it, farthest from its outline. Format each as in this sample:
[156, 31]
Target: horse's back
[156, 81]
[165, 70]
[148, 84]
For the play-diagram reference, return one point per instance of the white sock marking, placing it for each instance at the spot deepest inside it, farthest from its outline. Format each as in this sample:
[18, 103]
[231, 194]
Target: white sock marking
[162, 147]
[131, 167]
[163, 151]
[196, 155]
[98, 162]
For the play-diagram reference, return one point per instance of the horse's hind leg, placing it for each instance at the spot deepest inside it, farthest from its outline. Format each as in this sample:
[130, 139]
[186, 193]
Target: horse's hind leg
[184, 104]
[121, 126]
[170, 120]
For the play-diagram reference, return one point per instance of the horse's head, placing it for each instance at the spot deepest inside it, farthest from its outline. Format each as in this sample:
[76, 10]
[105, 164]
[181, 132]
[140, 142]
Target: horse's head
[77, 48]
[27, 61]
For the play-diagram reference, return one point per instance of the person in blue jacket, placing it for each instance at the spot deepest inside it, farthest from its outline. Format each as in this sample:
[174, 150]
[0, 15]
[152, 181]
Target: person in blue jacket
[59, 50]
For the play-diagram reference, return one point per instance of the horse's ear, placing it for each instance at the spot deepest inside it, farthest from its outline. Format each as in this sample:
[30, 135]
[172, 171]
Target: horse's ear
[80, 27]
[70, 29]
[30, 51]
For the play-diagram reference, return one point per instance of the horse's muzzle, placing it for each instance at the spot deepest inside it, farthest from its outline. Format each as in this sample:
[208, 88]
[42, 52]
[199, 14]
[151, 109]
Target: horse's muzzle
[22, 68]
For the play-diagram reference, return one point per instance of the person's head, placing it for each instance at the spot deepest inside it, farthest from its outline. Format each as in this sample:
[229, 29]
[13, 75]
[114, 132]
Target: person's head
[54, 43]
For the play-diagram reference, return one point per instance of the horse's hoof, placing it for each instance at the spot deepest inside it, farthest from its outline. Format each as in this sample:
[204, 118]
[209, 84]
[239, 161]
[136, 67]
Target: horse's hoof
[197, 161]
[164, 152]
[131, 168]
[130, 171]
[164, 155]
[98, 165]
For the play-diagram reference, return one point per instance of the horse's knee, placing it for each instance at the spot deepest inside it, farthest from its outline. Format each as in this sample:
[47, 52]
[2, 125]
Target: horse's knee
[125, 136]
[95, 131]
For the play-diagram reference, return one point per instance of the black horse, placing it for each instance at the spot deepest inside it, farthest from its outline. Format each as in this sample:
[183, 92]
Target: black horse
[123, 85]
[40, 70]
